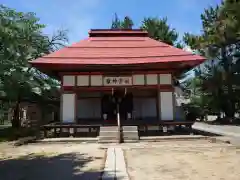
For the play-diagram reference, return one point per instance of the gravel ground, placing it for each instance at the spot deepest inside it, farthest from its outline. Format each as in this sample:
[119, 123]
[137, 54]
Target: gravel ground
[183, 160]
[51, 162]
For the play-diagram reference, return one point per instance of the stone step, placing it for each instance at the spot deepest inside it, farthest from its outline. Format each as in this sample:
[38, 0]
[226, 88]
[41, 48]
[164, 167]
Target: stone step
[108, 137]
[107, 141]
[130, 136]
[108, 128]
[131, 140]
[130, 133]
[108, 133]
[130, 128]
[111, 134]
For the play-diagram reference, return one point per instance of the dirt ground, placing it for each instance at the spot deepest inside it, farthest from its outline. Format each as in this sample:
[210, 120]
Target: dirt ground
[183, 160]
[51, 162]
[169, 160]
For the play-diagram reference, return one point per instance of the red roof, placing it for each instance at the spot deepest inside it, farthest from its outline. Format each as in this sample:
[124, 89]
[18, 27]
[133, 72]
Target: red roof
[121, 47]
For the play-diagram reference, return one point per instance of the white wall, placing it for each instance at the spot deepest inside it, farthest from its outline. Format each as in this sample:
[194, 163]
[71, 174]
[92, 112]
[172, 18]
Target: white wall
[68, 108]
[152, 79]
[165, 79]
[83, 80]
[138, 79]
[144, 107]
[96, 80]
[166, 105]
[68, 80]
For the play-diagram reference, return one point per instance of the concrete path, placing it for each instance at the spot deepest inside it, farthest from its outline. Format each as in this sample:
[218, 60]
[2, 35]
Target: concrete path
[224, 130]
[115, 166]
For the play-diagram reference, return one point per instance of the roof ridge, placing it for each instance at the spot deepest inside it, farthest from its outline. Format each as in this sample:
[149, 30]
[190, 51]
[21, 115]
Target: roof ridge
[118, 40]
[174, 55]
[163, 46]
[117, 33]
[114, 30]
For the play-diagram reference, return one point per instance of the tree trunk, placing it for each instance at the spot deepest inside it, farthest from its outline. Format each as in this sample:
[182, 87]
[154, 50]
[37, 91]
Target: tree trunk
[16, 119]
[230, 111]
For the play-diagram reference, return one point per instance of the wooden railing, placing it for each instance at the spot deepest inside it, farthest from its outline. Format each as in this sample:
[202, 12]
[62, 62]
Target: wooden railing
[68, 130]
[92, 130]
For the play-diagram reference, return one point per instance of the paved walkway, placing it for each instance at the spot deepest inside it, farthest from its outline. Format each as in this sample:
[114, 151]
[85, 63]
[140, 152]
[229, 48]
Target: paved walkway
[115, 167]
[224, 130]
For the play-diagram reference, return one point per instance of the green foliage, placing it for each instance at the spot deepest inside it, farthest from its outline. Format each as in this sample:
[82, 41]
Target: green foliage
[116, 23]
[22, 40]
[127, 23]
[159, 30]
[220, 41]
[10, 133]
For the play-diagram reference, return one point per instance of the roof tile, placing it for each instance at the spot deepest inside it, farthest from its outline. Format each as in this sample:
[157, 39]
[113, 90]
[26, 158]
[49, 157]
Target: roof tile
[117, 50]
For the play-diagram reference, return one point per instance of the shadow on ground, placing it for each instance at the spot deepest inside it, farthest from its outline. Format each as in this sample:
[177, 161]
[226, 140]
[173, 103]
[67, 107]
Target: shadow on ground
[39, 167]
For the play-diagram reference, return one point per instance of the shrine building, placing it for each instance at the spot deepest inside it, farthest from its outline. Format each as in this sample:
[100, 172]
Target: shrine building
[117, 77]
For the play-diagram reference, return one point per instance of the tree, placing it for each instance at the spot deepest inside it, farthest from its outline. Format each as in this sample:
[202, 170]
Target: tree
[159, 30]
[116, 23]
[127, 23]
[21, 40]
[220, 41]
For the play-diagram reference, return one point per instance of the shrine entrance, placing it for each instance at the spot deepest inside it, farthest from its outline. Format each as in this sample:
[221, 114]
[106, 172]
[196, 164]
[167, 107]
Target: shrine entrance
[118, 105]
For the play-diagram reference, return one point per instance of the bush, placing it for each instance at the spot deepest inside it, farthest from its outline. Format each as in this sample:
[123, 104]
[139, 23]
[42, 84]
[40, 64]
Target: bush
[10, 134]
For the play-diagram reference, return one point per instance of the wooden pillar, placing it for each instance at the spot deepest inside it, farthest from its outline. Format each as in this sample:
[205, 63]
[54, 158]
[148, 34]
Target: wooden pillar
[76, 97]
[75, 111]
[158, 104]
[174, 103]
[158, 99]
[173, 96]
[61, 106]
[61, 101]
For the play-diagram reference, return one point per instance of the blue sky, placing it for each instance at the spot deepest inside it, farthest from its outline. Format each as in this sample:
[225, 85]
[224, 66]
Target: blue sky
[78, 16]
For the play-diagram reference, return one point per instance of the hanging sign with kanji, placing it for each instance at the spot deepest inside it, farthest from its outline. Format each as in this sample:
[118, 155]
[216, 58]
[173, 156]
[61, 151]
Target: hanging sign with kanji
[117, 81]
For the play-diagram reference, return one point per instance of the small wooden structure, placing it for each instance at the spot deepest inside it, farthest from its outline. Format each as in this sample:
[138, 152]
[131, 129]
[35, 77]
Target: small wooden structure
[117, 77]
